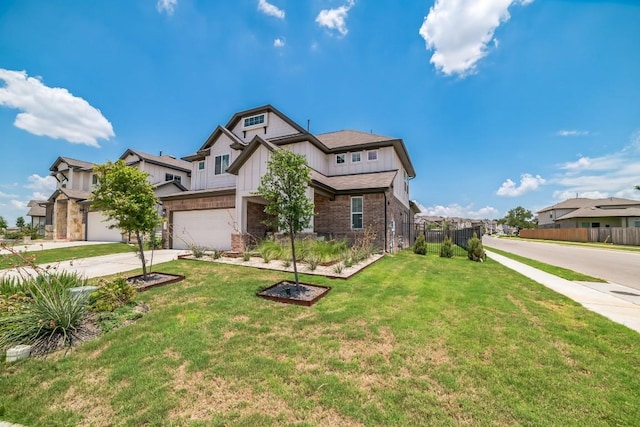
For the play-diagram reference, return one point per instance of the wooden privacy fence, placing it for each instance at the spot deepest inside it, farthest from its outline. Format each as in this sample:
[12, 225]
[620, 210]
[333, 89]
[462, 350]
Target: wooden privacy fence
[615, 235]
[434, 238]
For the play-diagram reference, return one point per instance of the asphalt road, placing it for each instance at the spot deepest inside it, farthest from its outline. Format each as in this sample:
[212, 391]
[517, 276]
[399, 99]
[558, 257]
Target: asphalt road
[614, 266]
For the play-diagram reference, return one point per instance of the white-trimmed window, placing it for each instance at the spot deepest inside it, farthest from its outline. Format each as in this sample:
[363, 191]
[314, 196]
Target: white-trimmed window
[372, 155]
[172, 177]
[201, 165]
[356, 157]
[255, 121]
[221, 164]
[356, 212]
[340, 159]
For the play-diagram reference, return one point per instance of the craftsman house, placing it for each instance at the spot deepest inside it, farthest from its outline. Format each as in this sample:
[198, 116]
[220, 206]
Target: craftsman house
[360, 181]
[591, 213]
[69, 215]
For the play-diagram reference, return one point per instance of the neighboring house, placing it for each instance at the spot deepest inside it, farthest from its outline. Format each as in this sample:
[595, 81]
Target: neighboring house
[38, 214]
[359, 181]
[68, 208]
[591, 213]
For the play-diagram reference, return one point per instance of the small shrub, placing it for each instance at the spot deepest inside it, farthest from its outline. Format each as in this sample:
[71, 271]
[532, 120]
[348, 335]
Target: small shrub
[246, 256]
[217, 254]
[112, 294]
[197, 251]
[312, 261]
[446, 249]
[420, 246]
[338, 268]
[475, 251]
[286, 263]
[348, 262]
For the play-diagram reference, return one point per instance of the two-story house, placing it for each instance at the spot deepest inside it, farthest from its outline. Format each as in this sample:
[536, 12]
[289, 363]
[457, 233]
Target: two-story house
[591, 213]
[359, 181]
[69, 207]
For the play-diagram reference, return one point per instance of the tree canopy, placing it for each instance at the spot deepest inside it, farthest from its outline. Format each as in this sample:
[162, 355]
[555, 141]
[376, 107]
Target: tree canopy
[125, 196]
[518, 217]
[3, 223]
[20, 222]
[284, 187]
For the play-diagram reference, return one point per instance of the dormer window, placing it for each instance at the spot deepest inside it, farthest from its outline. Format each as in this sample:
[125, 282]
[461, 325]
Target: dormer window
[258, 120]
[340, 159]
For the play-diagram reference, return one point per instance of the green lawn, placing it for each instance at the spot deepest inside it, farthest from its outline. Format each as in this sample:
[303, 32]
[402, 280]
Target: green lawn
[551, 269]
[412, 340]
[64, 254]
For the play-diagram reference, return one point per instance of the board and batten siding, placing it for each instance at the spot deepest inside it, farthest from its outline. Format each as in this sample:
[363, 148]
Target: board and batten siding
[207, 179]
[386, 161]
[316, 159]
[276, 127]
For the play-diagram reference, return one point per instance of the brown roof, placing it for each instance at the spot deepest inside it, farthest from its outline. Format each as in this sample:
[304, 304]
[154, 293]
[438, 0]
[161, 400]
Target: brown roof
[36, 209]
[364, 181]
[163, 160]
[349, 138]
[581, 202]
[596, 212]
[73, 163]
[71, 194]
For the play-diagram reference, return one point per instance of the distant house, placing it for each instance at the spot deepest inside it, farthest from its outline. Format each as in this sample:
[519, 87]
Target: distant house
[359, 181]
[591, 213]
[69, 209]
[38, 214]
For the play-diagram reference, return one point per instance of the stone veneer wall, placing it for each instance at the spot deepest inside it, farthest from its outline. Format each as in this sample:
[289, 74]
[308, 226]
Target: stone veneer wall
[188, 204]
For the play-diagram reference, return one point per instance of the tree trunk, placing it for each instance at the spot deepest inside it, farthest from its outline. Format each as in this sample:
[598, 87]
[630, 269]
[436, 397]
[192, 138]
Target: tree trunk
[293, 254]
[141, 249]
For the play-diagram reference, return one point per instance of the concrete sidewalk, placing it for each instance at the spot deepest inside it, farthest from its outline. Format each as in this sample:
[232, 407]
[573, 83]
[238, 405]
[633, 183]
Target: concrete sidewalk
[104, 265]
[615, 302]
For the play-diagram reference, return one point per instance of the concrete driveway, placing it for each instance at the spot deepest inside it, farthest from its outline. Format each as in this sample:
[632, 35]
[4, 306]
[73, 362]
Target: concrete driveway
[615, 266]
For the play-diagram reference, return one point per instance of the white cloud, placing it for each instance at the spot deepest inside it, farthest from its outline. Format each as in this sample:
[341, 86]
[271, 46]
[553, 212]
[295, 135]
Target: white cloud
[528, 183]
[7, 195]
[455, 210]
[572, 133]
[18, 204]
[166, 6]
[610, 175]
[41, 183]
[268, 9]
[458, 31]
[52, 112]
[335, 19]
[279, 42]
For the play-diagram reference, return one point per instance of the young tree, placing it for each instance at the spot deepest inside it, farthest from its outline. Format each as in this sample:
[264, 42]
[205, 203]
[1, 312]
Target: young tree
[518, 217]
[125, 195]
[20, 222]
[3, 223]
[284, 187]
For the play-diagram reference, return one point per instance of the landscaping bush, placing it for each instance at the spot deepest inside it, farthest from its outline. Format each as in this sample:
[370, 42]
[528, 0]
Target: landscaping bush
[475, 251]
[446, 249]
[46, 316]
[197, 251]
[420, 246]
[112, 294]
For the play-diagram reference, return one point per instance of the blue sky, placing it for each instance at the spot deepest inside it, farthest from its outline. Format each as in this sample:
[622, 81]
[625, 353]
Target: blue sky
[501, 103]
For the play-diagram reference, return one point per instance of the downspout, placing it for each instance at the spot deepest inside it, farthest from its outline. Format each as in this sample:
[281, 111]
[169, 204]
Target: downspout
[384, 193]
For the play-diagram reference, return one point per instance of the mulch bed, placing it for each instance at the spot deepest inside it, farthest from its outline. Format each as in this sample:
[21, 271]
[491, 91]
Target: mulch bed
[287, 292]
[153, 280]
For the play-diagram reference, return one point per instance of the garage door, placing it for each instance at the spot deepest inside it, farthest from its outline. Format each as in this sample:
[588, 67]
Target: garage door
[98, 230]
[208, 228]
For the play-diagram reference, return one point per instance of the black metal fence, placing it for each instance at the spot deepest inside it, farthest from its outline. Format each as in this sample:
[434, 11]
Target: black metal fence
[459, 238]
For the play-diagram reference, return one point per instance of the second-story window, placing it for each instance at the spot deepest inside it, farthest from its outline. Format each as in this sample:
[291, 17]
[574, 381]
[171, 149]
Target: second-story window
[222, 164]
[94, 179]
[254, 121]
[172, 177]
[340, 159]
[372, 155]
[201, 165]
[356, 157]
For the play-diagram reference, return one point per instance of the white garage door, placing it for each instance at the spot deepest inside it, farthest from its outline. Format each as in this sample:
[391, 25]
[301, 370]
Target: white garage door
[208, 228]
[98, 230]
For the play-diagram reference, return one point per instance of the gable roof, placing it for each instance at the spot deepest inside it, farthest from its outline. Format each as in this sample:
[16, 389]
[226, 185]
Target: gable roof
[73, 164]
[263, 109]
[177, 184]
[71, 194]
[599, 212]
[219, 130]
[35, 208]
[164, 160]
[256, 142]
[581, 202]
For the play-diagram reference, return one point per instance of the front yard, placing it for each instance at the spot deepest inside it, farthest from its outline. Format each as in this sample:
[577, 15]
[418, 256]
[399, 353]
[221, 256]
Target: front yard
[412, 340]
